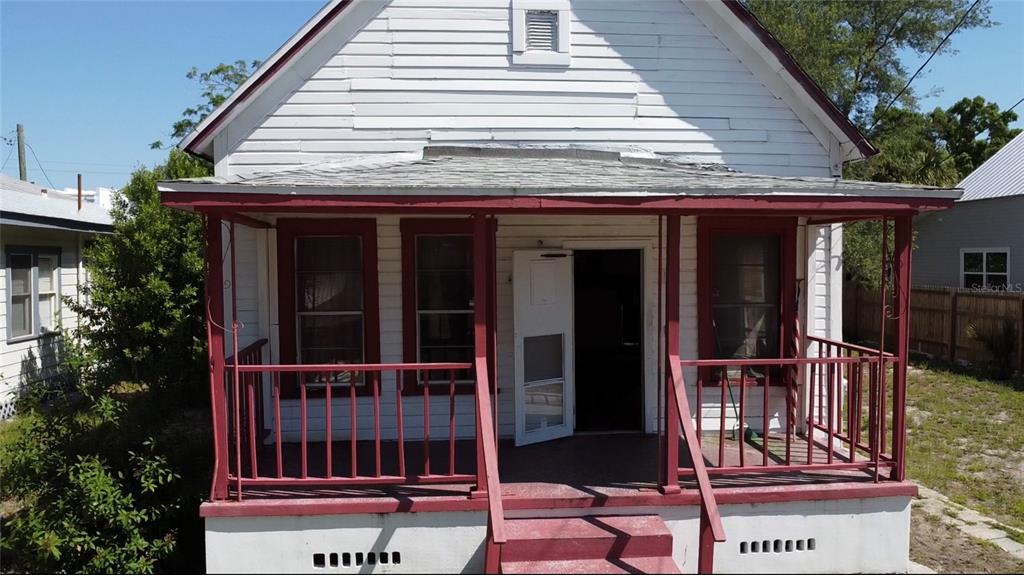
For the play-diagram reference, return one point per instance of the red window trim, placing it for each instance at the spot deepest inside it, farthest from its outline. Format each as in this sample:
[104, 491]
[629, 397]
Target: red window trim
[707, 228]
[287, 230]
[410, 229]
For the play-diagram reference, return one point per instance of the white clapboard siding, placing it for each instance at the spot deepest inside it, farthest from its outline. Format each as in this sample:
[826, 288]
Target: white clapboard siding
[516, 233]
[647, 73]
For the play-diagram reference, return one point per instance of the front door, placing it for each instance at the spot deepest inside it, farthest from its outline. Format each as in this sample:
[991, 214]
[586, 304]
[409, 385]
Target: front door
[542, 293]
[609, 333]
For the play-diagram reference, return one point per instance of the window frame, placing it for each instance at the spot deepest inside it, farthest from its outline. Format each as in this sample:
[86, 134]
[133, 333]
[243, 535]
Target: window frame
[411, 229]
[984, 273]
[34, 252]
[709, 227]
[288, 231]
[562, 55]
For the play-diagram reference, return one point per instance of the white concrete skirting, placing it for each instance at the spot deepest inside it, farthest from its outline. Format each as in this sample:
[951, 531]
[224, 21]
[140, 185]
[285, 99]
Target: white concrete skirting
[829, 536]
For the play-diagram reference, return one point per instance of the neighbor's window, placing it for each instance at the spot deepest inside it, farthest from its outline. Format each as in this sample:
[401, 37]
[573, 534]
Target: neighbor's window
[444, 301]
[33, 288]
[329, 301]
[985, 268]
[745, 298]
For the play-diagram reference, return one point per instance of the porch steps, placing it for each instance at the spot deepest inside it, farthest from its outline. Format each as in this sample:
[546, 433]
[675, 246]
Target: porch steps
[591, 544]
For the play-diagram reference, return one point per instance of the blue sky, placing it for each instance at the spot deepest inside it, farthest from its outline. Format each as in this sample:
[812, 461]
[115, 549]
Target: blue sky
[95, 82]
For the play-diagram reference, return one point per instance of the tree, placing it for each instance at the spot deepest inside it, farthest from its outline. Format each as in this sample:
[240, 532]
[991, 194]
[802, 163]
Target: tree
[971, 130]
[216, 84]
[109, 477]
[852, 49]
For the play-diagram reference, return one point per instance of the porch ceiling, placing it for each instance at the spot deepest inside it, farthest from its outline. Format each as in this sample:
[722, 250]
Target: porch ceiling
[532, 172]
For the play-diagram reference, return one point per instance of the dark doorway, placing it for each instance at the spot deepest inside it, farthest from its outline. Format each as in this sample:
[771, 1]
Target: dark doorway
[608, 335]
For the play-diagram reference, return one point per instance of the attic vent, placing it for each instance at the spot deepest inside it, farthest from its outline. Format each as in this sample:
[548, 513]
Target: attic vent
[542, 30]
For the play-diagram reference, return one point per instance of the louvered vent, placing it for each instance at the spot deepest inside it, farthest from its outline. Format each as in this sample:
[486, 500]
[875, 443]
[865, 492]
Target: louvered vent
[542, 30]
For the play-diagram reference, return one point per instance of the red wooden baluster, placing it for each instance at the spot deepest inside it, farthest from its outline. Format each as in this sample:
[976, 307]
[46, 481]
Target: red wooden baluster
[766, 421]
[250, 388]
[789, 422]
[426, 422]
[401, 423]
[277, 423]
[831, 408]
[302, 422]
[700, 402]
[451, 422]
[353, 421]
[721, 418]
[329, 426]
[375, 381]
[743, 400]
[810, 415]
[238, 430]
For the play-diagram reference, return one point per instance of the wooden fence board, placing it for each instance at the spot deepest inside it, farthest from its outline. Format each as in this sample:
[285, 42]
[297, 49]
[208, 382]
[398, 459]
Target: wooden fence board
[939, 320]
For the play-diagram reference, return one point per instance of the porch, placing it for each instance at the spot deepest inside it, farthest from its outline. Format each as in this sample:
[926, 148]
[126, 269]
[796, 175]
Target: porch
[398, 426]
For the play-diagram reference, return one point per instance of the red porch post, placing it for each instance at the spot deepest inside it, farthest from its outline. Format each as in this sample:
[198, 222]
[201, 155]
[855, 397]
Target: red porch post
[214, 283]
[670, 483]
[903, 239]
[481, 339]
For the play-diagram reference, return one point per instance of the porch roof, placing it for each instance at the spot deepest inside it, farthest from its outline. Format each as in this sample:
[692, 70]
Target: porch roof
[537, 172]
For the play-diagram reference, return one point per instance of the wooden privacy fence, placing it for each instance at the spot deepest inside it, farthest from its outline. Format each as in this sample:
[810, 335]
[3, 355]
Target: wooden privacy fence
[939, 320]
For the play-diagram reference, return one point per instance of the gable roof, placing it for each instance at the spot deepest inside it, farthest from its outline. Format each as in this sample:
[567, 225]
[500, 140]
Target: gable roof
[1000, 176]
[200, 141]
[28, 204]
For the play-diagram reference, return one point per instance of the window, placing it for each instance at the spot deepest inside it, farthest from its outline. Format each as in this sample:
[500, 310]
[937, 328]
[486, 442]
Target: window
[985, 268]
[34, 291]
[745, 295]
[746, 273]
[541, 33]
[327, 273]
[438, 294]
[437, 297]
[329, 299]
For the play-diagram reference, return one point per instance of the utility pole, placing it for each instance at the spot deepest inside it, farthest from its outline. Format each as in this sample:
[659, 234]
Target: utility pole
[22, 170]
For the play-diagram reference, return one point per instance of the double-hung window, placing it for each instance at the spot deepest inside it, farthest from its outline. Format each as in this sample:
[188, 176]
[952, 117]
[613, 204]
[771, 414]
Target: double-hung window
[746, 292]
[33, 291]
[331, 317]
[438, 302]
[985, 268]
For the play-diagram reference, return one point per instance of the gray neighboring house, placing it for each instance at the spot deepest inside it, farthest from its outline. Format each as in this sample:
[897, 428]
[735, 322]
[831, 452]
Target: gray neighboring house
[42, 233]
[980, 242]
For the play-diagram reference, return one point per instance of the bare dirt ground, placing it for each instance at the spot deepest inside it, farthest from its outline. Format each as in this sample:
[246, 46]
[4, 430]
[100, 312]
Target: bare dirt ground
[948, 550]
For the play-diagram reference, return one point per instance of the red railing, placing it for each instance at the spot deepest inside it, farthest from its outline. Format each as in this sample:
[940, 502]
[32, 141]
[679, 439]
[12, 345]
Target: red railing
[255, 461]
[833, 423]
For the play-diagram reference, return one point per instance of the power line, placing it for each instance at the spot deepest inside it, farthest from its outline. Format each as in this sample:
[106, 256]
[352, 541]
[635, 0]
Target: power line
[9, 154]
[1015, 105]
[922, 67]
[41, 169]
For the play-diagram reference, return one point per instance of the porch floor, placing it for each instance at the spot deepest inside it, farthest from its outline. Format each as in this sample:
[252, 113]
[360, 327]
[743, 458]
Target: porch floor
[594, 467]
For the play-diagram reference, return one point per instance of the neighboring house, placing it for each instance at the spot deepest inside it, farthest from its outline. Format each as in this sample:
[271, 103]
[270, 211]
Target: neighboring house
[471, 263]
[980, 242]
[42, 233]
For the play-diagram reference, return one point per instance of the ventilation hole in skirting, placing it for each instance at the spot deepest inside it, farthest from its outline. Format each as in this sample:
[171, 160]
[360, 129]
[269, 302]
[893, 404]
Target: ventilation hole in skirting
[777, 546]
[356, 559]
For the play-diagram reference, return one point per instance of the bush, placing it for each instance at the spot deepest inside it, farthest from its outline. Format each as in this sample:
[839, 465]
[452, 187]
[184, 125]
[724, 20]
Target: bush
[1000, 343]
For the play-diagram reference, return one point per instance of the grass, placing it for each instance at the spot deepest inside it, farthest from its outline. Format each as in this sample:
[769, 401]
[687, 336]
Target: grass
[947, 550]
[966, 440]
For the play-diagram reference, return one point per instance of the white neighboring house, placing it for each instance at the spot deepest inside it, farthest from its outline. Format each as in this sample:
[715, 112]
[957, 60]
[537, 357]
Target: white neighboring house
[42, 233]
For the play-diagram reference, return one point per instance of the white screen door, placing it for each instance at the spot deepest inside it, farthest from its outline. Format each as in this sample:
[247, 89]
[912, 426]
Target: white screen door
[542, 291]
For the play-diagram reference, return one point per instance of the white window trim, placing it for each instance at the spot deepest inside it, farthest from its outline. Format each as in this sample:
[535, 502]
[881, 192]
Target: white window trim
[38, 331]
[522, 56]
[984, 263]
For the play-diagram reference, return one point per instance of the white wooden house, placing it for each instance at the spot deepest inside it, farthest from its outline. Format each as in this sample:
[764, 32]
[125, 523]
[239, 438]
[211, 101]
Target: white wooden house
[42, 234]
[475, 265]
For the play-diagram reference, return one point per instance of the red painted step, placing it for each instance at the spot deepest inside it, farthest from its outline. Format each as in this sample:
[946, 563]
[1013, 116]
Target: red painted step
[593, 544]
[631, 565]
